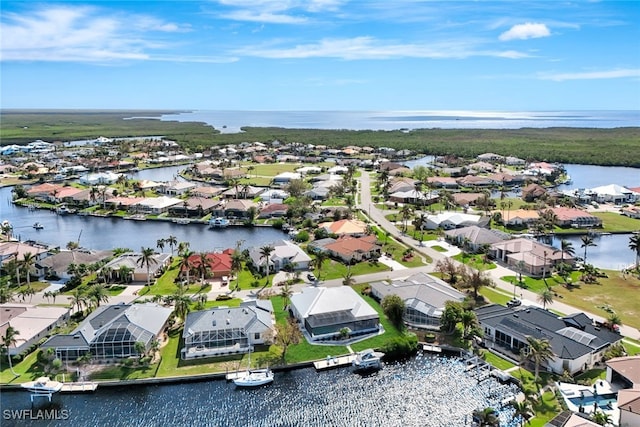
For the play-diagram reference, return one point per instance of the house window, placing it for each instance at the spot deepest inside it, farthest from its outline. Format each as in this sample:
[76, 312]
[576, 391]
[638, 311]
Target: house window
[256, 336]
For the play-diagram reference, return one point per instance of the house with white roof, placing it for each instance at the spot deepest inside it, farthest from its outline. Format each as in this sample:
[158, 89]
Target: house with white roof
[285, 252]
[156, 205]
[450, 220]
[227, 330]
[32, 322]
[285, 178]
[613, 193]
[107, 177]
[324, 312]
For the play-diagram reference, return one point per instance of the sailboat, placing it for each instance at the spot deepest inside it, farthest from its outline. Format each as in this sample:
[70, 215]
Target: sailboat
[254, 377]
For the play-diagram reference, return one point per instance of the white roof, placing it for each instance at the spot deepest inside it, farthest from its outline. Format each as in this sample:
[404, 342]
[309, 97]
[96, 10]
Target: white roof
[319, 300]
[612, 189]
[159, 202]
[288, 175]
[454, 217]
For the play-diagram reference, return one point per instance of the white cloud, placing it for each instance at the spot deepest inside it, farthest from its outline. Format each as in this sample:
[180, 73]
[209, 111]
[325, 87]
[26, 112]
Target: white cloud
[277, 11]
[592, 75]
[265, 17]
[362, 48]
[529, 30]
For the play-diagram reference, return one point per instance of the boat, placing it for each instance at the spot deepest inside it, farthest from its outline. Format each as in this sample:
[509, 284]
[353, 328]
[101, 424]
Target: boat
[63, 210]
[368, 359]
[218, 222]
[38, 226]
[255, 378]
[43, 385]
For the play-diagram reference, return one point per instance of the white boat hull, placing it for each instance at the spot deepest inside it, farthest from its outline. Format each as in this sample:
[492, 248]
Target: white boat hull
[255, 379]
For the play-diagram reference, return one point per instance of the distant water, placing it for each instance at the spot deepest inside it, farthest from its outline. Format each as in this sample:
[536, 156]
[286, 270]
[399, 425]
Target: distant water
[232, 121]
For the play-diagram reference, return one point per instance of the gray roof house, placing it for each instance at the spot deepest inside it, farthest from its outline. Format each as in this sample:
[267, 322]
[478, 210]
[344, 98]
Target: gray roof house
[424, 297]
[138, 273]
[323, 312]
[111, 331]
[58, 264]
[576, 341]
[475, 237]
[225, 330]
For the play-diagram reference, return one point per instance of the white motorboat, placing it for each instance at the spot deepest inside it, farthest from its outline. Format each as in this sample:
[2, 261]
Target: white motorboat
[255, 378]
[368, 359]
[38, 226]
[218, 222]
[43, 385]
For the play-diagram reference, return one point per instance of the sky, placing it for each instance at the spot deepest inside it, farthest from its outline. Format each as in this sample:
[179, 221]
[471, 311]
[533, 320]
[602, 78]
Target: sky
[321, 55]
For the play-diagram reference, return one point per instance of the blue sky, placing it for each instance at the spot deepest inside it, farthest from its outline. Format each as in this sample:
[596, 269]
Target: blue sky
[321, 55]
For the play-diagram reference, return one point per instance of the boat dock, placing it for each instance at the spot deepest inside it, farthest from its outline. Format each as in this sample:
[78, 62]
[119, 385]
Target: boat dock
[236, 375]
[78, 387]
[431, 348]
[334, 362]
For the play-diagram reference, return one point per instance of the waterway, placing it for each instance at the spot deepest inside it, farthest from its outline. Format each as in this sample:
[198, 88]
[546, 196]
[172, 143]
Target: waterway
[424, 391]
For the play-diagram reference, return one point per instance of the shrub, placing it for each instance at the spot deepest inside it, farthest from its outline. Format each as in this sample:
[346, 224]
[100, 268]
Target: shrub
[401, 346]
[302, 236]
[278, 224]
[223, 297]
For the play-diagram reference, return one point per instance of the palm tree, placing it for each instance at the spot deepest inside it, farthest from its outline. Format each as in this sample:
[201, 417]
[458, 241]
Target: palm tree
[97, 294]
[347, 279]
[586, 242]
[539, 352]
[183, 246]
[124, 272]
[160, 244]
[566, 247]
[265, 253]
[522, 409]
[601, 418]
[8, 340]
[468, 320]
[185, 263]
[147, 258]
[320, 258]
[236, 265]
[172, 241]
[78, 299]
[634, 245]
[28, 261]
[286, 293]
[405, 214]
[419, 222]
[203, 266]
[545, 298]
[6, 229]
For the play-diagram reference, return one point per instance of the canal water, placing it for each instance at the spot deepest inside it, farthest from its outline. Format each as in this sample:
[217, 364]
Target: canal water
[424, 391]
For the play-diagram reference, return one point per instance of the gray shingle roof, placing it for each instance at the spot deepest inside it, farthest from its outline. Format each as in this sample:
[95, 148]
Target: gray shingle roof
[250, 316]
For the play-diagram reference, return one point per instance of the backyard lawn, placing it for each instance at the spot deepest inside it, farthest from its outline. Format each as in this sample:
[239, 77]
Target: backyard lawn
[476, 261]
[612, 222]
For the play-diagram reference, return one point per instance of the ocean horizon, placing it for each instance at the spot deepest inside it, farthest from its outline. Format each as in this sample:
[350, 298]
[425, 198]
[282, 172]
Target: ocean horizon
[231, 121]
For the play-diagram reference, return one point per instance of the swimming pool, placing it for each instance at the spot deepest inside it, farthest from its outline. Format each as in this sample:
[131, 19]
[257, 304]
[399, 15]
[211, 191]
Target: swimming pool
[603, 401]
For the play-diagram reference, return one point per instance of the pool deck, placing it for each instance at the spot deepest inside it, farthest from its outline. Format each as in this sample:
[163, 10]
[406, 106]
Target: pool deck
[601, 388]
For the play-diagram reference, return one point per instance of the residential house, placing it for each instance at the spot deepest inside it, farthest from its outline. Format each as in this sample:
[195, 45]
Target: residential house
[273, 210]
[474, 181]
[424, 297]
[353, 249]
[58, 263]
[227, 330]
[285, 253]
[576, 218]
[414, 197]
[325, 312]
[533, 192]
[519, 217]
[15, 250]
[631, 212]
[442, 182]
[466, 199]
[351, 227]
[528, 256]
[274, 195]
[138, 273]
[239, 208]
[474, 238]
[194, 207]
[32, 322]
[99, 178]
[514, 161]
[285, 178]
[577, 343]
[624, 373]
[218, 264]
[207, 191]
[613, 193]
[156, 205]
[490, 157]
[450, 220]
[243, 192]
[176, 188]
[111, 332]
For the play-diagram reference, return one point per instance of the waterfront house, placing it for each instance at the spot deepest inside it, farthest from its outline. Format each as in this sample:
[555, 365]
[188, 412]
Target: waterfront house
[102, 178]
[243, 192]
[15, 250]
[123, 203]
[324, 312]
[218, 264]
[111, 332]
[207, 191]
[474, 181]
[514, 161]
[32, 322]
[156, 205]
[578, 344]
[45, 192]
[58, 263]
[466, 199]
[227, 330]
[285, 253]
[631, 212]
[273, 210]
[442, 182]
[576, 218]
[528, 256]
[138, 273]
[474, 237]
[194, 207]
[624, 373]
[533, 192]
[424, 297]
[613, 193]
[519, 217]
[450, 220]
[490, 157]
[238, 208]
[176, 188]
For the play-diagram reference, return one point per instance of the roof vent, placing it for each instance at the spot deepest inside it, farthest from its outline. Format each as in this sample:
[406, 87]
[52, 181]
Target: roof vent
[228, 321]
[213, 322]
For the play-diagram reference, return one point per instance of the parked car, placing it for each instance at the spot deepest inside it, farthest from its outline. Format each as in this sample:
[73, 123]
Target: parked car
[514, 303]
[311, 277]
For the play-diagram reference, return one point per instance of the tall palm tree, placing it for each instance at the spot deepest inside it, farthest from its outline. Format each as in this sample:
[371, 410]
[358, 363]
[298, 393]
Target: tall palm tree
[236, 265]
[160, 244]
[97, 294]
[405, 214]
[28, 261]
[265, 253]
[147, 258]
[285, 293]
[545, 298]
[419, 222]
[185, 263]
[8, 340]
[634, 245]
[172, 241]
[539, 352]
[124, 272]
[183, 246]
[78, 299]
[586, 242]
[6, 229]
[181, 302]
[566, 248]
[468, 320]
[320, 258]
[522, 409]
[203, 266]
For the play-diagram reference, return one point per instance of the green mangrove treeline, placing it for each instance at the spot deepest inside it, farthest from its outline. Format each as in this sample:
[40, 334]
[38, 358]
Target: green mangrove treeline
[618, 146]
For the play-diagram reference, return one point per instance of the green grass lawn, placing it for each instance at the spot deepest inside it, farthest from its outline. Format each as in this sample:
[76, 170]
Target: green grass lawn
[438, 248]
[36, 286]
[27, 369]
[115, 290]
[476, 261]
[269, 169]
[591, 375]
[631, 346]
[497, 361]
[336, 270]
[538, 285]
[259, 181]
[612, 222]
[495, 296]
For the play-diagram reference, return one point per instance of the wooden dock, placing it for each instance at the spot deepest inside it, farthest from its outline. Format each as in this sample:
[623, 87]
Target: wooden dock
[334, 362]
[236, 375]
[431, 348]
[80, 387]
